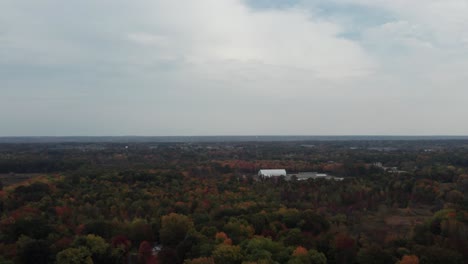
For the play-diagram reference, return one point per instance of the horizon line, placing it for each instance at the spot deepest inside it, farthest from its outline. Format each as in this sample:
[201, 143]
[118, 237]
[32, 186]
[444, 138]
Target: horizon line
[246, 135]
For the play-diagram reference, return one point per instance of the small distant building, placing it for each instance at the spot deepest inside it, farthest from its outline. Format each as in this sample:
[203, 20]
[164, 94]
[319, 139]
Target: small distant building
[378, 165]
[272, 173]
[156, 249]
[303, 176]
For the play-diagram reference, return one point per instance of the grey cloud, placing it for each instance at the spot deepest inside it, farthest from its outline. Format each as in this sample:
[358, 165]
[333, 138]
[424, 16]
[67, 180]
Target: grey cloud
[223, 67]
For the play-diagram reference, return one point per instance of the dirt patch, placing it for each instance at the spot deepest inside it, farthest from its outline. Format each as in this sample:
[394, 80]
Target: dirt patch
[387, 225]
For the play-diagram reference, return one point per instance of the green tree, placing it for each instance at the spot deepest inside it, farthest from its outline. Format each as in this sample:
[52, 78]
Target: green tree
[238, 230]
[32, 251]
[140, 230]
[260, 248]
[292, 237]
[310, 221]
[79, 255]
[4, 261]
[99, 249]
[375, 254]
[290, 217]
[174, 229]
[317, 257]
[34, 227]
[227, 254]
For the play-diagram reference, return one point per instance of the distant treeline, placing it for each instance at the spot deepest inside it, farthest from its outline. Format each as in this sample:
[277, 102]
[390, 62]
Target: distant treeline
[253, 138]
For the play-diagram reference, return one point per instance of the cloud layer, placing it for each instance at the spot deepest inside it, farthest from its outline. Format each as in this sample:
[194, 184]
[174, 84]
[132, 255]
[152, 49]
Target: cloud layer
[228, 67]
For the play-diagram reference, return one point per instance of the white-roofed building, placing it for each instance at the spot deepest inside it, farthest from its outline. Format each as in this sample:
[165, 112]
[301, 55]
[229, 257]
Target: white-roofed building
[303, 176]
[272, 173]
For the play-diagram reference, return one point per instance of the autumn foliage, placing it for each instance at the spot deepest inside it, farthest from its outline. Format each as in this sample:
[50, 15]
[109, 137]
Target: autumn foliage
[300, 251]
[409, 259]
[201, 203]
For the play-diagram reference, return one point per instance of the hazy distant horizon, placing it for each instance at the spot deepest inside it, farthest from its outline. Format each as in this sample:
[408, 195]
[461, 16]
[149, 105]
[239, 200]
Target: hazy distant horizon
[248, 135]
[219, 138]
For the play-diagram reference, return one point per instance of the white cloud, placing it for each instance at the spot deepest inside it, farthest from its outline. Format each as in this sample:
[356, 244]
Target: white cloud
[398, 38]
[149, 39]
[227, 31]
[445, 22]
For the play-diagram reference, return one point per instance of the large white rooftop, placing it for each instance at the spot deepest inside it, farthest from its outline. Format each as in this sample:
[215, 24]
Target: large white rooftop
[272, 173]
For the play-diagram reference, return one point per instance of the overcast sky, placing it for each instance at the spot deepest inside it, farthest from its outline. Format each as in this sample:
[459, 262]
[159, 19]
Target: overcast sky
[233, 67]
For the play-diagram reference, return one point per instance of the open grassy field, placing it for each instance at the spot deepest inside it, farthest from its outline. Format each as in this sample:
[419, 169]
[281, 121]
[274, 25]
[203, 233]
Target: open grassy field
[11, 179]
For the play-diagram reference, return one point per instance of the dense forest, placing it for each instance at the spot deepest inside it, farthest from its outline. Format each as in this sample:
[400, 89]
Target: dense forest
[401, 201]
